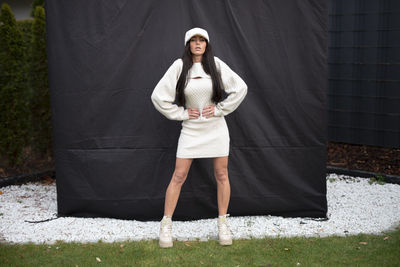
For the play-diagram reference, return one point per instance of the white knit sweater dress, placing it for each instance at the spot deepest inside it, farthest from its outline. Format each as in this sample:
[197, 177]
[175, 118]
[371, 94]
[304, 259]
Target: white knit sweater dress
[202, 137]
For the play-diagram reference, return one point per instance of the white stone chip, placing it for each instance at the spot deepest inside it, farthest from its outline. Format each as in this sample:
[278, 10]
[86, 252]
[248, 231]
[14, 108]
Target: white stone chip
[354, 207]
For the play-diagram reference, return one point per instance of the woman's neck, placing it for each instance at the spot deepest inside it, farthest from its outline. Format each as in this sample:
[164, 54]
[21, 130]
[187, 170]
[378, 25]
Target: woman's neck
[196, 59]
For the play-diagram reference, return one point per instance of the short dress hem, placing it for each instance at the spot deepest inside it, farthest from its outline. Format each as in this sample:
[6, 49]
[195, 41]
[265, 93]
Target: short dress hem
[201, 156]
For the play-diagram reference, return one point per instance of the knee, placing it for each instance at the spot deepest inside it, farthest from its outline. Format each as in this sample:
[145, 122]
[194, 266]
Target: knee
[179, 177]
[221, 175]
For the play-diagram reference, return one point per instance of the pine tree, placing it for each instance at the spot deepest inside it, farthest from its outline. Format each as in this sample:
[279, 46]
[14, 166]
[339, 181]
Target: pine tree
[40, 105]
[34, 4]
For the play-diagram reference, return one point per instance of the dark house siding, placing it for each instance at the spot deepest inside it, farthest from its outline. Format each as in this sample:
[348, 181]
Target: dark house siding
[364, 72]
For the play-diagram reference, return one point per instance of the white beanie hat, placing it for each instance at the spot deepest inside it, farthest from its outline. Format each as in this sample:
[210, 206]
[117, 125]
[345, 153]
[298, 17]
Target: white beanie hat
[196, 31]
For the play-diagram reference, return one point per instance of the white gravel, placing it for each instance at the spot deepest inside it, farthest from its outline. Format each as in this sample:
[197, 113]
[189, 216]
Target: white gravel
[354, 206]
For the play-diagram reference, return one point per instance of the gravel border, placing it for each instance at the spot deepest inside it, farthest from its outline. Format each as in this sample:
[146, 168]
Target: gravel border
[26, 178]
[394, 179]
[354, 206]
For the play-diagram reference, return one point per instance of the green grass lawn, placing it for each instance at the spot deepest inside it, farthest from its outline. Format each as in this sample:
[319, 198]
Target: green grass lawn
[360, 250]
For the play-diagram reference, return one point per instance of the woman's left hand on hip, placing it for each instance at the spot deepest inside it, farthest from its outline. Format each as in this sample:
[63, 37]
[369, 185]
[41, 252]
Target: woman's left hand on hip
[208, 111]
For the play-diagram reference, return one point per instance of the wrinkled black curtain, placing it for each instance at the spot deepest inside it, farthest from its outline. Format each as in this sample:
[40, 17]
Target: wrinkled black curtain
[115, 154]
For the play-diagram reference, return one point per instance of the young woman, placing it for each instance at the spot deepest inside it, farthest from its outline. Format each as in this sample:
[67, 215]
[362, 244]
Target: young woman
[197, 81]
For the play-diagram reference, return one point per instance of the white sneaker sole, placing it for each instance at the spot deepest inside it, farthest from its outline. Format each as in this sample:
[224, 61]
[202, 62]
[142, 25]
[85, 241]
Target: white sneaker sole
[164, 244]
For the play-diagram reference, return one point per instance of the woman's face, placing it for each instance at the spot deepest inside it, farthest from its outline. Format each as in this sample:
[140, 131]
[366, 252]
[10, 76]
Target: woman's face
[198, 45]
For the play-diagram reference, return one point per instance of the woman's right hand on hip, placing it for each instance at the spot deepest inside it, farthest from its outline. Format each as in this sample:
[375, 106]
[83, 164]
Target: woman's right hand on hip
[194, 113]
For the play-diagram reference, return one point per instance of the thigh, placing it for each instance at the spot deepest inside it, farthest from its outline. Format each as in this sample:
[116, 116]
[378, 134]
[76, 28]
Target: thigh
[182, 165]
[220, 164]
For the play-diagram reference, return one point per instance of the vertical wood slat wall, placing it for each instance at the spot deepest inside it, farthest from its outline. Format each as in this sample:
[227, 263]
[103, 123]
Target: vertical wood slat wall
[364, 72]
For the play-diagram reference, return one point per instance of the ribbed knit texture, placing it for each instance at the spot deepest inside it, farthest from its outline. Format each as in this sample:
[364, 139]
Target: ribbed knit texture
[201, 137]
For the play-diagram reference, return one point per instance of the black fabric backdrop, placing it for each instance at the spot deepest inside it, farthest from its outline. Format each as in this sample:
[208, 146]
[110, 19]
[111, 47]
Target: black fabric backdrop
[115, 154]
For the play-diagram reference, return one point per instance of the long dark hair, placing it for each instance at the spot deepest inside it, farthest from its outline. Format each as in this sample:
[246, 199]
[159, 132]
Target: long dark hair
[209, 67]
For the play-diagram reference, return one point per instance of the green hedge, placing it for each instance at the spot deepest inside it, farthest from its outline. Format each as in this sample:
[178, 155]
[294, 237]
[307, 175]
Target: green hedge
[24, 95]
[40, 102]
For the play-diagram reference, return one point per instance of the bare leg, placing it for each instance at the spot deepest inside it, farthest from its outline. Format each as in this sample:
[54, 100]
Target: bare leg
[223, 185]
[182, 167]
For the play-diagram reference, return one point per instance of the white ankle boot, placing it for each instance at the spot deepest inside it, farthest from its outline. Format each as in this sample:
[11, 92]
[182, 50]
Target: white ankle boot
[224, 232]
[165, 240]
